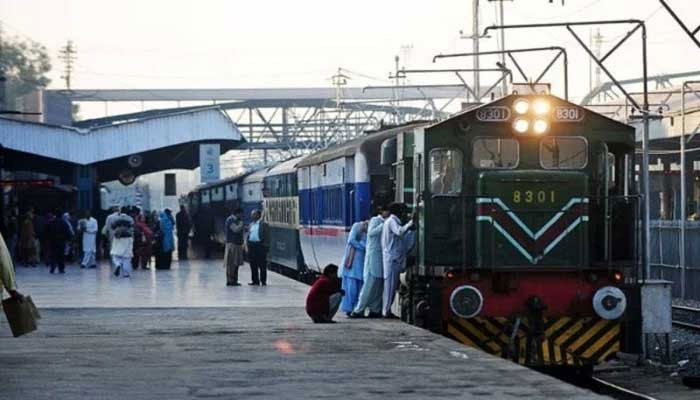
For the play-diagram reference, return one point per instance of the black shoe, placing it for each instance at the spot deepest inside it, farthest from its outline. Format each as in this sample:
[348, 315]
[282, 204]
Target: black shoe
[236, 284]
[92, 266]
[61, 271]
[264, 284]
[391, 316]
[253, 284]
[374, 315]
[355, 315]
[117, 271]
[82, 266]
[51, 271]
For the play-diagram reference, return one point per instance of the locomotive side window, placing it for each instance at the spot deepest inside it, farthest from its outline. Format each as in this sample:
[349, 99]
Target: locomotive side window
[557, 152]
[445, 171]
[488, 153]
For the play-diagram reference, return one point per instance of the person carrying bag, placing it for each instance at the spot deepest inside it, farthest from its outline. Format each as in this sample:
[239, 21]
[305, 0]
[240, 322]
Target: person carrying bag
[20, 310]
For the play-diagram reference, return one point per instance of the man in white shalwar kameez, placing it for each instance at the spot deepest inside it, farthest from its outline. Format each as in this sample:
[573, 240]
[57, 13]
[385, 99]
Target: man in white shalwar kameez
[373, 273]
[122, 243]
[88, 226]
[393, 255]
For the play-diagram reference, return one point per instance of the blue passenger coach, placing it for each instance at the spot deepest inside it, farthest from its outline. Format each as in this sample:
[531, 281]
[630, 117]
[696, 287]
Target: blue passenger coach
[281, 205]
[338, 187]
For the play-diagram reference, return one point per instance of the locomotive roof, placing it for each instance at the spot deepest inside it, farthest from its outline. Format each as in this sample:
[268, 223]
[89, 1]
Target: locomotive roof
[285, 167]
[600, 121]
[351, 147]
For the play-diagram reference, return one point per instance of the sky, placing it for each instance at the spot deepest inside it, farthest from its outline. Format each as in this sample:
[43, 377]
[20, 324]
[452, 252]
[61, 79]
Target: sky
[278, 43]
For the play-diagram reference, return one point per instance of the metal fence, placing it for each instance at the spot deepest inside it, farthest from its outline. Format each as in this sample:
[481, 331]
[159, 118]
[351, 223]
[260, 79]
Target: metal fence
[665, 250]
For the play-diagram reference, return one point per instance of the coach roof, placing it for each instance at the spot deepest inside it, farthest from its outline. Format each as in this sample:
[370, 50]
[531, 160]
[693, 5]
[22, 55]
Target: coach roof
[351, 147]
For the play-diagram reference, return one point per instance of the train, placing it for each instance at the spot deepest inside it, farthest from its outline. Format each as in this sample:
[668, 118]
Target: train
[527, 213]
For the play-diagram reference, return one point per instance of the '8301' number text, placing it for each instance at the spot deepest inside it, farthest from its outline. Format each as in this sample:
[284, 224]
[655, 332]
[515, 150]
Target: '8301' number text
[534, 196]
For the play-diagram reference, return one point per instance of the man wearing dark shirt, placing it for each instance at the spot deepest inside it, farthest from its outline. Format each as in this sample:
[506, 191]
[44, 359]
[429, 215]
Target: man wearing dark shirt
[324, 297]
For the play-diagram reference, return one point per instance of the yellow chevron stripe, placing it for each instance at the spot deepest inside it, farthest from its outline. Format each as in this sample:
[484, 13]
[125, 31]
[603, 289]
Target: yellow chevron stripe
[545, 351]
[557, 325]
[587, 335]
[569, 332]
[613, 349]
[557, 354]
[494, 330]
[459, 336]
[479, 335]
[610, 335]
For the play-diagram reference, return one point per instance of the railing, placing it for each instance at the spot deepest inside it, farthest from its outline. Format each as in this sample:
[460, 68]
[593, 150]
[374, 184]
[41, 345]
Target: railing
[665, 256]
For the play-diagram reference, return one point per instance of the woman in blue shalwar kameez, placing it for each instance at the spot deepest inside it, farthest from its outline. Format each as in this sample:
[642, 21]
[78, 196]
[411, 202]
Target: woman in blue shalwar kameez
[352, 267]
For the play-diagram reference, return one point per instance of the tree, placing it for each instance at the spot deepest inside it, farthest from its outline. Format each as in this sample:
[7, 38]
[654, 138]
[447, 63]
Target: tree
[24, 63]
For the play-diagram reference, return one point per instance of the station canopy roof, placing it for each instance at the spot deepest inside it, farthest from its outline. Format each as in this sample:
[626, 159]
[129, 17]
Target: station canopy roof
[102, 143]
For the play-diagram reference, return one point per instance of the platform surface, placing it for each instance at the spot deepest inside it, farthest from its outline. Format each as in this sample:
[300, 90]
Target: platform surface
[182, 334]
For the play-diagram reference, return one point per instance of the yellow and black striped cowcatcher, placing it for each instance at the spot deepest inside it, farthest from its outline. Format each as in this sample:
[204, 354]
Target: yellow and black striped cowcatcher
[565, 341]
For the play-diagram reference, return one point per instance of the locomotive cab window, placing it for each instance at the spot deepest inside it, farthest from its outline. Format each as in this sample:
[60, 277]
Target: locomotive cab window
[489, 153]
[557, 152]
[445, 171]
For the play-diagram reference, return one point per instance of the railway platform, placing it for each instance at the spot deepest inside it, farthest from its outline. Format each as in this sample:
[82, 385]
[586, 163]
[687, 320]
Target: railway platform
[182, 334]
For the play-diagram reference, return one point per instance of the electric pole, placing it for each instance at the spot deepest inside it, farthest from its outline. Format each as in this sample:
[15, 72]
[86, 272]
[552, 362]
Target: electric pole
[598, 41]
[2, 74]
[475, 37]
[67, 55]
[339, 80]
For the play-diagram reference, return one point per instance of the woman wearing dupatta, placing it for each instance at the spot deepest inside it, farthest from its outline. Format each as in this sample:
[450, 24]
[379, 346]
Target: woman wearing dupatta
[352, 266]
[167, 223]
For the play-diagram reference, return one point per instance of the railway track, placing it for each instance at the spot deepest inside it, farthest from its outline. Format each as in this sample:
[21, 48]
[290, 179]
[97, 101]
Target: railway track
[606, 388]
[686, 318]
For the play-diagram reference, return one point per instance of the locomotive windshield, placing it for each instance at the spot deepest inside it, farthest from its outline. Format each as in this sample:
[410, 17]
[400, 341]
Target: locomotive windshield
[495, 153]
[563, 152]
[445, 171]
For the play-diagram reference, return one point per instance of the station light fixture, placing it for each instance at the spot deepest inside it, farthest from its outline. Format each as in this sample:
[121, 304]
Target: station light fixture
[521, 106]
[541, 107]
[540, 126]
[521, 125]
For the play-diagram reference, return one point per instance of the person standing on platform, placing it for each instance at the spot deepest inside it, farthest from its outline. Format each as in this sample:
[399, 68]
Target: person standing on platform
[7, 272]
[143, 243]
[393, 254]
[184, 225]
[59, 234]
[27, 240]
[256, 242]
[167, 224]
[353, 266]
[107, 231]
[122, 249]
[233, 255]
[373, 274]
[324, 297]
[88, 227]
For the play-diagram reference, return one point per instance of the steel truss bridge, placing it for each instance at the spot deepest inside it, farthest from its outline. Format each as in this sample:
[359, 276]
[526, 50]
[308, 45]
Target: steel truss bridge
[289, 119]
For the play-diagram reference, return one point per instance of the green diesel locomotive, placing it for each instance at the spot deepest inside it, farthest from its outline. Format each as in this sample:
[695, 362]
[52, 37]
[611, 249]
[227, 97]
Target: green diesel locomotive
[527, 211]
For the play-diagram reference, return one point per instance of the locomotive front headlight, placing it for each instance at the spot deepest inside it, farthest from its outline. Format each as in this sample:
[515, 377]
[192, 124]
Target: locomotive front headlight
[541, 107]
[540, 126]
[466, 301]
[521, 125]
[609, 302]
[521, 106]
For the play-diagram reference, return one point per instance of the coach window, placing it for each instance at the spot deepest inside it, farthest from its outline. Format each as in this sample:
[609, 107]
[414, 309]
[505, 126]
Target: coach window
[489, 153]
[445, 171]
[557, 152]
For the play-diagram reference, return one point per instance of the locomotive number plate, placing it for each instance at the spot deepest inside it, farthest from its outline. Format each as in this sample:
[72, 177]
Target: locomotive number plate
[568, 114]
[493, 114]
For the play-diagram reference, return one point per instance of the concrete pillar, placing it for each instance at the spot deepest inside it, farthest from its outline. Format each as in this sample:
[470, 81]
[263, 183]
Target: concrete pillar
[85, 178]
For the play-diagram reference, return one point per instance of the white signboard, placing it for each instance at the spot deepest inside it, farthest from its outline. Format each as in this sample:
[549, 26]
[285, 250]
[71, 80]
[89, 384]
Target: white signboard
[209, 162]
